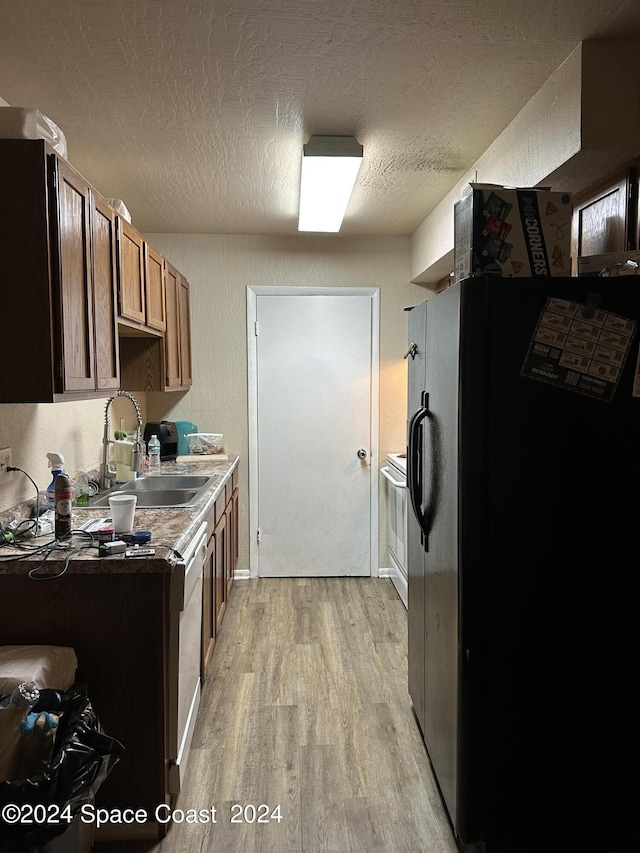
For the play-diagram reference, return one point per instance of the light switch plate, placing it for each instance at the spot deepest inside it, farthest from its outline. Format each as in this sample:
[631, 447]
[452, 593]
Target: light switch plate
[5, 459]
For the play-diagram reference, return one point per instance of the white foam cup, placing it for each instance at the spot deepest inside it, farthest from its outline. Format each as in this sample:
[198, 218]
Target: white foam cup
[123, 510]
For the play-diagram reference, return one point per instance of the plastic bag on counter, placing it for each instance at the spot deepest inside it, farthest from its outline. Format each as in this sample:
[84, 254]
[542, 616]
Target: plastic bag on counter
[81, 758]
[205, 443]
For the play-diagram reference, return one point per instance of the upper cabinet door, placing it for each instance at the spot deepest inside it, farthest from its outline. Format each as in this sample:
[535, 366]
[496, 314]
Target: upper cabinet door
[131, 273]
[155, 288]
[605, 217]
[177, 339]
[184, 316]
[172, 337]
[103, 262]
[72, 248]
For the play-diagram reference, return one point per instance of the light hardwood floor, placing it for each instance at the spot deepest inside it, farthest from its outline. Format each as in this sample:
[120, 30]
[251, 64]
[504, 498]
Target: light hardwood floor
[306, 708]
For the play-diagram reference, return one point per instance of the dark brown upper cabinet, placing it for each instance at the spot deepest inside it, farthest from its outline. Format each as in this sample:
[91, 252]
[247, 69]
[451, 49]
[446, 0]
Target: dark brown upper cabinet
[58, 264]
[141, 285]
[605, 217]
[177, 339]
[151, 363]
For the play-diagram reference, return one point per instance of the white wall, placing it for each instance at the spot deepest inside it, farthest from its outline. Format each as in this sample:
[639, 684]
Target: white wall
[219, 268]
[73, 429]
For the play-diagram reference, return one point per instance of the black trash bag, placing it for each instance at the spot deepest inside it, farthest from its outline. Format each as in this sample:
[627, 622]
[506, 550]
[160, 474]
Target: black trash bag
[82, 758]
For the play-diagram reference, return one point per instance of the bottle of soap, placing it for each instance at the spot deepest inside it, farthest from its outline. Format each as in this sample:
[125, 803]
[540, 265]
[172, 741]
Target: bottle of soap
[56, 463]
[64, 502]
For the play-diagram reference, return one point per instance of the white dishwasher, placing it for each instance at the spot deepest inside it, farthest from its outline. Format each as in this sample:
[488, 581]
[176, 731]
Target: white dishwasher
[185, 655]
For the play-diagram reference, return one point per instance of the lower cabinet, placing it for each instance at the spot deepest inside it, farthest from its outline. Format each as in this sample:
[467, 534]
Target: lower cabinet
[135, 635]
[222, 559]
[221, 549]
[233, 537]
[118, 625]
[208, 615]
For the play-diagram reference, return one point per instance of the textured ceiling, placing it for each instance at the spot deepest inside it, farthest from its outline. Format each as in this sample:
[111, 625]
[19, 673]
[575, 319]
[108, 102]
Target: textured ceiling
[195, 113]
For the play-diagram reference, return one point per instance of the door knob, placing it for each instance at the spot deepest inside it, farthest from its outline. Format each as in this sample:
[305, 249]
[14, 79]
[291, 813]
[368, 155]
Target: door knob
[362, 453]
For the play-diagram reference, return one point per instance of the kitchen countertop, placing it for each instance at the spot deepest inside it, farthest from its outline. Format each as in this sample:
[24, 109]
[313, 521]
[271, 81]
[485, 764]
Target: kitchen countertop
[171, 530]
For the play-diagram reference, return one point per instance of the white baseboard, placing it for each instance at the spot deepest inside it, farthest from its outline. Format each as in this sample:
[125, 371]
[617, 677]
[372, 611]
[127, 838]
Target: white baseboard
[399, 581]
[241, 575]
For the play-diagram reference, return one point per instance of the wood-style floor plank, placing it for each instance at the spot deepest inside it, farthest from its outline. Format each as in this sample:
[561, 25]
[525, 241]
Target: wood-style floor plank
[306, 708]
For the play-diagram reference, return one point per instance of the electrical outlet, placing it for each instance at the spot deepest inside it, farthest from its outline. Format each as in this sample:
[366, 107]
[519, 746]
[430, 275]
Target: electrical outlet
[5, 460]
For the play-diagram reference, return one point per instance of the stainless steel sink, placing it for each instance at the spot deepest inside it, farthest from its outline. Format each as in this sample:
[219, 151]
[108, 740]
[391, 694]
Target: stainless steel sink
[163, 482]
[161, 491]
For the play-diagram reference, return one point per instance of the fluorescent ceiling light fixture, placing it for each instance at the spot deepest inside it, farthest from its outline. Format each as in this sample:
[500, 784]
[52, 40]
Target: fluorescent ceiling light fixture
[330, 165]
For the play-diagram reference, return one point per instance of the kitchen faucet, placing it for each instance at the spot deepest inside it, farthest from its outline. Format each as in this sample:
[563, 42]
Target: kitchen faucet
[107, 473]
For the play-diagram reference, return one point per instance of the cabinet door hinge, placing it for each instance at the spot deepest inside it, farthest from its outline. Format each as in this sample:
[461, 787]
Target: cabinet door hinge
[60, 368]
[255, 328]
[258, 536]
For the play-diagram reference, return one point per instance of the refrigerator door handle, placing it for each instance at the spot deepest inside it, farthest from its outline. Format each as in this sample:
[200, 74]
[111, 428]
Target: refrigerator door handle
[414, 468]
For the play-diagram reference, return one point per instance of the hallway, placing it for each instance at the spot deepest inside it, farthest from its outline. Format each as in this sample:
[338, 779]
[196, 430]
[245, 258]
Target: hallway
[306, 708]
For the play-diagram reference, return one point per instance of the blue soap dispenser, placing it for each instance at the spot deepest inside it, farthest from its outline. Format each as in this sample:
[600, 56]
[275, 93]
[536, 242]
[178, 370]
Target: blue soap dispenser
[56, 463]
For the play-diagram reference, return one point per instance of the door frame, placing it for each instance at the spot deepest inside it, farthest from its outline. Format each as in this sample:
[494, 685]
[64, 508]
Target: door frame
[253, 291]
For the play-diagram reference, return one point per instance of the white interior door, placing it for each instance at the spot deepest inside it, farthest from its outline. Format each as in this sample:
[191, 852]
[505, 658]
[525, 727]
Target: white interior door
[313, 365]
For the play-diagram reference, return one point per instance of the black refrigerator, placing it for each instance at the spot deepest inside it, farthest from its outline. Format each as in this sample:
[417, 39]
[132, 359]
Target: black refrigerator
[523, 460]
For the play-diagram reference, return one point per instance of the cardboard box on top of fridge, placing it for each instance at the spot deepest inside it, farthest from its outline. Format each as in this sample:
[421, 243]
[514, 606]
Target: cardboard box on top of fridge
[512, 232]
